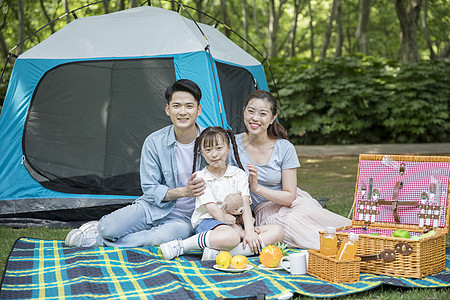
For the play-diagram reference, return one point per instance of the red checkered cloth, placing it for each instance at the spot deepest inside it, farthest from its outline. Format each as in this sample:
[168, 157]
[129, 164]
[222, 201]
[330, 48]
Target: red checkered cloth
[416, 180]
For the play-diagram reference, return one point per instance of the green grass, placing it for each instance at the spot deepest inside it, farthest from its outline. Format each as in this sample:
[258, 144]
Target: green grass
[333, 178]
[328, 177]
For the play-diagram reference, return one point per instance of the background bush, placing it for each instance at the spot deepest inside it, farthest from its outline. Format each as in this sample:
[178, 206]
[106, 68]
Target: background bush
[361, 99]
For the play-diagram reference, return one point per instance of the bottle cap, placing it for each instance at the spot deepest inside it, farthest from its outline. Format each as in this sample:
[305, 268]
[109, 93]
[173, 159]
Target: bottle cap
[330, 230]
[353, 236]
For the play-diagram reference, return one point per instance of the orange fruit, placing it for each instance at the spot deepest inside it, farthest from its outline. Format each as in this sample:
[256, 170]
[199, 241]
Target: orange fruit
[239, 261]
[270, 256]
[223, 259]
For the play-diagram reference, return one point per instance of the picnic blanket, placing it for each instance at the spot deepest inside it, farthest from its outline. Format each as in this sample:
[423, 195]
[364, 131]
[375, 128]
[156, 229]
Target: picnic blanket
[46, 269]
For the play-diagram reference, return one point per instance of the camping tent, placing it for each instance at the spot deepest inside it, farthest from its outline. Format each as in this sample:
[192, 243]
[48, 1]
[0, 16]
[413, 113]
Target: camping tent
[80, 104]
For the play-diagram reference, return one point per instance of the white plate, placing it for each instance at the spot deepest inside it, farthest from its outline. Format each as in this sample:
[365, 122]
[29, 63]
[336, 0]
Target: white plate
[279, 267]
[232, 269]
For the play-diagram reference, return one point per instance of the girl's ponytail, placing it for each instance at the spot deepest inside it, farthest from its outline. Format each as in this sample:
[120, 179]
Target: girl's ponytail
[235, 148]
[194, 167]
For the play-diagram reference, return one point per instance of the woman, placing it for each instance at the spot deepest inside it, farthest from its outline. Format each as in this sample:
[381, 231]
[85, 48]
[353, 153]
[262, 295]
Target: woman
[271, 162]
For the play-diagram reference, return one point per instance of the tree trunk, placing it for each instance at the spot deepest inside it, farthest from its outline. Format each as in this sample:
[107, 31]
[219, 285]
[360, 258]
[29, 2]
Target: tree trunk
[269, 33]
[293, 31]
[258, 32]
[225, 16]
[311, 30]
[4, 47]
[121, 4]
[49, 20]
[329, 28]
[67, 10]
[274, 19]
[446, 52]
[106, 7]
[134, 3]
[21, 26]
[426, 33]
[363, 24]
[199, 7]
[340, 31]
[245, 22]
[408, 18]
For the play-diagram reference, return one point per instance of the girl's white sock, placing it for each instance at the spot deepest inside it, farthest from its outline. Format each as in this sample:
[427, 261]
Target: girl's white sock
[197, 242]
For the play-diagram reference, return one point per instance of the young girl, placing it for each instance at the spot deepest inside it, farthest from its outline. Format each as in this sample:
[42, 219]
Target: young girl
[215, 229]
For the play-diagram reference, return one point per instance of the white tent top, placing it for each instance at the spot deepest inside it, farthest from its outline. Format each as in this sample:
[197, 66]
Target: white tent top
[138, 32]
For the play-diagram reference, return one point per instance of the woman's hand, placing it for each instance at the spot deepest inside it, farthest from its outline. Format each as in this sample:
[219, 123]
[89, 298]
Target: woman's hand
[252, 177]
[251, 239]
[257, 229]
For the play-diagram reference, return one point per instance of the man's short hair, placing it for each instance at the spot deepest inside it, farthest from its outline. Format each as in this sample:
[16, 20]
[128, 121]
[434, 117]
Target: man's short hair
[184, 85]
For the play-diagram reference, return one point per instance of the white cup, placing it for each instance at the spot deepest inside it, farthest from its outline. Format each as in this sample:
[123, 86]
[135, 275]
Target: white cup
[307, 257]
[297, 263]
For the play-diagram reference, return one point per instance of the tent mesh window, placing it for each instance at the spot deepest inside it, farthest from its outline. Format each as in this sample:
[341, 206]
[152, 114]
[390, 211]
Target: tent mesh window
[88, 120]
[236, 84]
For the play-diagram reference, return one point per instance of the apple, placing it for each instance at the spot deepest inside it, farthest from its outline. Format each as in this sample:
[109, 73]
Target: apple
[401, 234]
[404, 234]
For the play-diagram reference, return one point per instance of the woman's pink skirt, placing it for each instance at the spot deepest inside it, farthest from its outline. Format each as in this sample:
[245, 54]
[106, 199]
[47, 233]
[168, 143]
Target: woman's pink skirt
[302, 221]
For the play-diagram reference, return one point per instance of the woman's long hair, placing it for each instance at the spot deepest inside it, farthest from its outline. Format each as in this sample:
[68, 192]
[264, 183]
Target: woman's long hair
[210, 136]
[275, 130]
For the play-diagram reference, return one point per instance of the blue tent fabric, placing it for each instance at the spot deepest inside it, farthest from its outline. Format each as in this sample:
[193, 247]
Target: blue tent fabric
[46, 269]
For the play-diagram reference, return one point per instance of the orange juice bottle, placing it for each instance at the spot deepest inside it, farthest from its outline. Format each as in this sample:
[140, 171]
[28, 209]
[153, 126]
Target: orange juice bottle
[348, 248]
[328, 242]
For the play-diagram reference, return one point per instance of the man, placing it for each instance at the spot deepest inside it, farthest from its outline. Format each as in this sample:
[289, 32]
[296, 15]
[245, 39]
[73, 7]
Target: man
[163, 212]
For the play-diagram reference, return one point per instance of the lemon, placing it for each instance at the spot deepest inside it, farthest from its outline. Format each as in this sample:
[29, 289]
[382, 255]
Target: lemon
[239, 261]
[223, 259]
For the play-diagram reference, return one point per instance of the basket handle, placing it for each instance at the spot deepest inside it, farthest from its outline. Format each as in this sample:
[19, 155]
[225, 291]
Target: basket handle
[394, 204]
[387, 255]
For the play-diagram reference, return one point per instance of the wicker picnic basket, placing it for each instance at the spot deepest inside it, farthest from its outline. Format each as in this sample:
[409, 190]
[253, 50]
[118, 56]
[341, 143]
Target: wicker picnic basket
[329, 269]
[412, 195]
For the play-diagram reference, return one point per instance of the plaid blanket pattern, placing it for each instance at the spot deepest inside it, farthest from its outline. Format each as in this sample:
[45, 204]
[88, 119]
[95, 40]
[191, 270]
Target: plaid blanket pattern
[38, 269]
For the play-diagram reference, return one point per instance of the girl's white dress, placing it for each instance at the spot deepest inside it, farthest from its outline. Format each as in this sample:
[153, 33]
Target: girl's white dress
[217, 188]
[303, 220]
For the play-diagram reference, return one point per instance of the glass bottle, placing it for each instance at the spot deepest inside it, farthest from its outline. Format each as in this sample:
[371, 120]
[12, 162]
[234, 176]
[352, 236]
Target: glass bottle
[348, 248]
[328, 242]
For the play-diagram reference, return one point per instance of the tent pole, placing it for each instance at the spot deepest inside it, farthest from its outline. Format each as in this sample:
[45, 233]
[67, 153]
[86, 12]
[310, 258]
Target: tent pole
[207, 48]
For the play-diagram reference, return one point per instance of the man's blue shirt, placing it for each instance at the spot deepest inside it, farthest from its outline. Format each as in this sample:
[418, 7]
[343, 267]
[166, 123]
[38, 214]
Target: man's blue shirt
[158, 171]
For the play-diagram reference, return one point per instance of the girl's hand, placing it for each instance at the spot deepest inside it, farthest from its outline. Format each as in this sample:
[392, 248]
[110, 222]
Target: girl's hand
[252, 177]
[251, 239]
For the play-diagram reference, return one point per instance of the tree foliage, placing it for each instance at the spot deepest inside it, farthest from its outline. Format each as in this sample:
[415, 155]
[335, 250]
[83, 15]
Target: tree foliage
[363, 99]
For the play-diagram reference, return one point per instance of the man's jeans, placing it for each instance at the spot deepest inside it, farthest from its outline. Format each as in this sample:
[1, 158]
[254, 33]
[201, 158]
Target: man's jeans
[128, 227]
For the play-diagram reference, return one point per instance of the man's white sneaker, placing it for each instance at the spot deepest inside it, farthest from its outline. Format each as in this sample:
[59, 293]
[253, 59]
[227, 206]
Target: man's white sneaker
[85, 236]
[74, 238]
[172, 249]
[89, 226]
[90, 237]
[209, 254]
